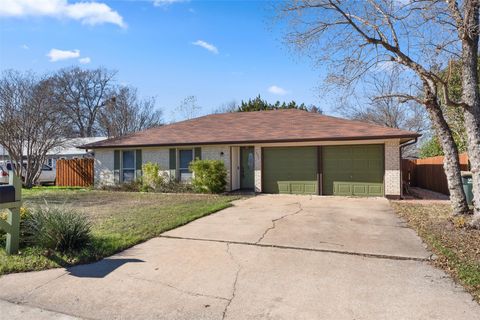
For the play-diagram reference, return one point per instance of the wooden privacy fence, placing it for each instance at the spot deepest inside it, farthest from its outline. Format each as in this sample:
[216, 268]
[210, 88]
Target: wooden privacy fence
[74, 173]
[428, 173]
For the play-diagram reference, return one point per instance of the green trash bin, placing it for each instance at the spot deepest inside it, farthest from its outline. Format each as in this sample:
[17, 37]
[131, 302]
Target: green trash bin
[468, 186]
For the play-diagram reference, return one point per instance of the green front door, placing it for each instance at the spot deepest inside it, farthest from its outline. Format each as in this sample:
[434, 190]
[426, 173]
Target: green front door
[247, 165]
[290, 170]
[353, 170]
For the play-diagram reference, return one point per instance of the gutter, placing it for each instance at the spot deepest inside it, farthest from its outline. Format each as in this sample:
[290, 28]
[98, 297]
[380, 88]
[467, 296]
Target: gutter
[139, 145]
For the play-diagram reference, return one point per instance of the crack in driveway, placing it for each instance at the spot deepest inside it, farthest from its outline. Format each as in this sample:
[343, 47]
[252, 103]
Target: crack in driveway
[234, 290]
[274, 221]
[187, 292]
[275, 246]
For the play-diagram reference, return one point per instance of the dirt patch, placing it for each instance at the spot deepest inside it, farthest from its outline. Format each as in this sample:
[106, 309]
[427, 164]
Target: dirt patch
[457, 246]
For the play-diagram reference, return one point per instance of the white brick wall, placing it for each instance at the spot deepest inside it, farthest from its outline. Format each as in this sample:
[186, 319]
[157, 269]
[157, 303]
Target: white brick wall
[258, 169]
[392, 168]
[103, 168]
[104, 164]
[214, 153]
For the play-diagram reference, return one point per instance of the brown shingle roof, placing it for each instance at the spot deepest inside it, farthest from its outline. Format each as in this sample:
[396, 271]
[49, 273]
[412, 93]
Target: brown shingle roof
[255, 127]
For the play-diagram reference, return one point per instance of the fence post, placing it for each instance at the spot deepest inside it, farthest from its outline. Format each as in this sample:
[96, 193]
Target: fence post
[12, 225]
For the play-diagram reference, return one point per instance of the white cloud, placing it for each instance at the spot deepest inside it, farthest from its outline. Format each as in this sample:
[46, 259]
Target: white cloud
[91, 13]
[85, 60]
[277, 90]
[58, 55]
[159, 3]
[210, 47]
[25, 47]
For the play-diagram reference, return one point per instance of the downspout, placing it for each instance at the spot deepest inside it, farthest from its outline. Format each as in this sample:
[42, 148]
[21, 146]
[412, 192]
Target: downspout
[403, 145]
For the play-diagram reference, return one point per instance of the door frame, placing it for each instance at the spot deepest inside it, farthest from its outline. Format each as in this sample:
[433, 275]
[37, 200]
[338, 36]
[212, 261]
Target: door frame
[242, 187]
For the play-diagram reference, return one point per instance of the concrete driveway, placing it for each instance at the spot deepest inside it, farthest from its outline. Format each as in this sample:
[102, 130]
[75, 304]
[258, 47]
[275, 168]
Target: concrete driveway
[268, 257]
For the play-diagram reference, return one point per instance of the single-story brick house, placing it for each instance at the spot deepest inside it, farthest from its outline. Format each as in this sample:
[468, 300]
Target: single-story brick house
[281, 151]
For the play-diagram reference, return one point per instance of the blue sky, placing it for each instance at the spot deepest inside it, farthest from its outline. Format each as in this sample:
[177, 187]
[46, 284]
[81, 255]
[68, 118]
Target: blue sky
[218, 51]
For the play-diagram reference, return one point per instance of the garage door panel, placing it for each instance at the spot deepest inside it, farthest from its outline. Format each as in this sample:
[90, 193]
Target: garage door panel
[342, 188]
[360, 190]
[290, 170]
[375, 190]
[283, 187]
[364, 175]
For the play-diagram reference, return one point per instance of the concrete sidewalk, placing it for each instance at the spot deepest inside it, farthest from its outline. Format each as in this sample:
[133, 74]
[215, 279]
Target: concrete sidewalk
[10, 310]
[268, 257]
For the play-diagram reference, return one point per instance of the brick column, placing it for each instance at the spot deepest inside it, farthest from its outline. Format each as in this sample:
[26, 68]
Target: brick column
[258, 169]
[392, 169]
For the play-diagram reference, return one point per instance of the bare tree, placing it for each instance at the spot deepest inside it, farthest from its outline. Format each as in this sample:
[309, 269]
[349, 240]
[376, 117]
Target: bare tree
[384, 109]
[188, 108]
[465, 16]
[354, 37]
[31, 123]
[227, 107]
[82, 94]
[125, 113]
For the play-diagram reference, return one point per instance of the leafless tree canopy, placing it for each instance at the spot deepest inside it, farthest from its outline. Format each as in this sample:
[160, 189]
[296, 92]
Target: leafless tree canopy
[125, 113]
[383, 109]
[82, 94]
[31, 123]
[37, 114]
[188, 108]
[226, 107]
[357, 37]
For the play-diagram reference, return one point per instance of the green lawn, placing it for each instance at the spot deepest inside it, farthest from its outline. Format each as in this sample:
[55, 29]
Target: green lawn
[457, 247]
[119, 221]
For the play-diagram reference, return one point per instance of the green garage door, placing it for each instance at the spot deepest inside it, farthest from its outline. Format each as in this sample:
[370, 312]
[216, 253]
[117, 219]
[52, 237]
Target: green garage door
[353, 170]
[290, 170]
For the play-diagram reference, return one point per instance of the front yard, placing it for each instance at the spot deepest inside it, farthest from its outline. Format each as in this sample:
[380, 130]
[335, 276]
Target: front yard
[457, 247]
[119, 221]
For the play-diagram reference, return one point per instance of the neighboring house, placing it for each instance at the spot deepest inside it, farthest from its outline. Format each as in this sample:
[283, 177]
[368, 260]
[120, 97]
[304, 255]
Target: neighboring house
[281, 151]
[70, 150]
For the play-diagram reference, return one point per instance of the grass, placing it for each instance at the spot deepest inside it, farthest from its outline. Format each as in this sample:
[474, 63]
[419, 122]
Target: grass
[119, 220]
[457, 247]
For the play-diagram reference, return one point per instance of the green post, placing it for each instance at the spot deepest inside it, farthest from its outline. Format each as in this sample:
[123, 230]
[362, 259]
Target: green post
[13, 237]
[12, 225]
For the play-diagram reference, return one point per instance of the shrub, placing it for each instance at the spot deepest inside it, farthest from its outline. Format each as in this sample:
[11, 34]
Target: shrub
[58, 228]
[151, 177]
[209, 176]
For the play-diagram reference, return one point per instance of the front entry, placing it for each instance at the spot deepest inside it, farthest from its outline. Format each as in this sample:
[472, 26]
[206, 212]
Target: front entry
[247, 165]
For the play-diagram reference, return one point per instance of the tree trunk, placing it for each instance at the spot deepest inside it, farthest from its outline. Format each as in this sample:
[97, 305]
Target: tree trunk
[472, 119]
[451, 162]
[471, 97]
